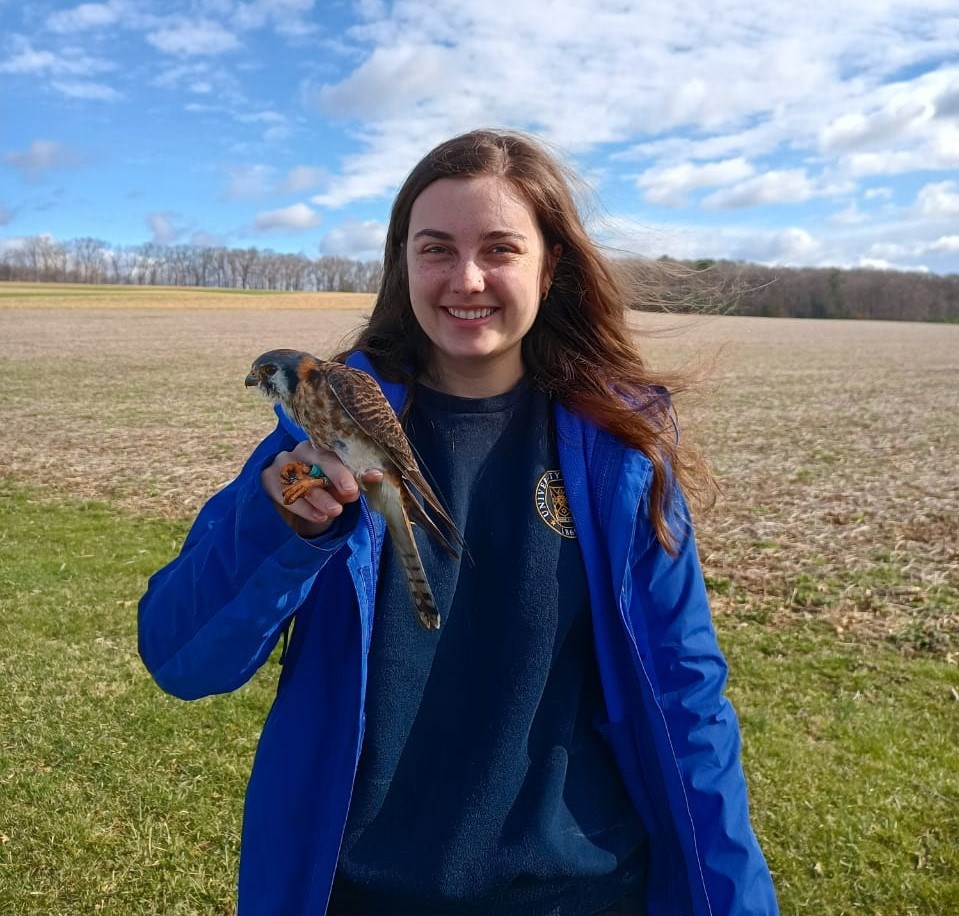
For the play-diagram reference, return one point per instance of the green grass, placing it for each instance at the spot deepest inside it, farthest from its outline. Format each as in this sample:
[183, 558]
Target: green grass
[113, 796]
[116, 798]
[851, 753]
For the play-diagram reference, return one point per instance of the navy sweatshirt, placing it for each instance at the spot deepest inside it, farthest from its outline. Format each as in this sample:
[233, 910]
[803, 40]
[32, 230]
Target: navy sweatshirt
[483, 785]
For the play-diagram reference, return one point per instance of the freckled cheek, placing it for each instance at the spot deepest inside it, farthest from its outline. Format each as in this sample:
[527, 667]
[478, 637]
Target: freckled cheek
[426, 277]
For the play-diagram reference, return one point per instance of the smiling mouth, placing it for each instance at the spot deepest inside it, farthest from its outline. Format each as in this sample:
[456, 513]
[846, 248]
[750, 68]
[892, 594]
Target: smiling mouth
[469, 314]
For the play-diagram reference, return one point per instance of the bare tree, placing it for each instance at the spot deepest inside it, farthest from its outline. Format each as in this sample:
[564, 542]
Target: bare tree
[89, 259]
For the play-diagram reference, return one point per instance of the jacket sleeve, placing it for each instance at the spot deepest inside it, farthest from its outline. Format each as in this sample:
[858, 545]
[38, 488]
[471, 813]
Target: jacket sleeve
[670, 604]
[212, 616]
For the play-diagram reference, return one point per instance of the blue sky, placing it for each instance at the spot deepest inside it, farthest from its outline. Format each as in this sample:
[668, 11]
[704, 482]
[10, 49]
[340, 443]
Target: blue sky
[814, 133]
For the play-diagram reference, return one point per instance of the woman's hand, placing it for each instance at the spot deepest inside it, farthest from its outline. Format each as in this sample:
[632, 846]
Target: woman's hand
[313, 513]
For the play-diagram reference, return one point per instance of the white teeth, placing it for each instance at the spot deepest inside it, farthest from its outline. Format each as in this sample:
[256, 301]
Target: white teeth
[472, 314]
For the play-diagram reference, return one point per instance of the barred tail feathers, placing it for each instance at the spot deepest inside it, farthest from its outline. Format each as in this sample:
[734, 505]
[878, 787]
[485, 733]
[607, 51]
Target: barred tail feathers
[393, 502]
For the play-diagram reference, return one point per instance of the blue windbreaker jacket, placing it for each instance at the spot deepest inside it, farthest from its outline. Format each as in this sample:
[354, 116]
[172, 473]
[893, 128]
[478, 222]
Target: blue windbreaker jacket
[212, 616]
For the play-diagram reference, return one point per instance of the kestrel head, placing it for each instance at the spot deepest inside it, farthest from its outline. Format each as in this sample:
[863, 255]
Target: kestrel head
[275, 374]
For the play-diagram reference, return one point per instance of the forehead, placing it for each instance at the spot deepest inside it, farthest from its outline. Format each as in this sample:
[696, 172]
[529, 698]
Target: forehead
[473, 205]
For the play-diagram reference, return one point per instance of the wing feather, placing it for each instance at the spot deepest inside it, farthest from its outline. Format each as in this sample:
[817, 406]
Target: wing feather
[364, 402]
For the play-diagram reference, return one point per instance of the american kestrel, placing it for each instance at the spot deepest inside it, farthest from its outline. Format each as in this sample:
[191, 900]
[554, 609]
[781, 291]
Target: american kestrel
[343, 411]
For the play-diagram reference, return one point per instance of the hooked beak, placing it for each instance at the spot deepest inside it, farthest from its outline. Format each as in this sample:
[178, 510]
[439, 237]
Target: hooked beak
[251, 381]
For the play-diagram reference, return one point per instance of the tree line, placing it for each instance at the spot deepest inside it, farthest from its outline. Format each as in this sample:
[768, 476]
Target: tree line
[88, 260]
[727, 286]
[793, 292]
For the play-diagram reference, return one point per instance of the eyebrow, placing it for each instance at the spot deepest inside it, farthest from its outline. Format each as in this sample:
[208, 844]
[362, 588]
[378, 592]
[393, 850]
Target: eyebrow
[492, 235]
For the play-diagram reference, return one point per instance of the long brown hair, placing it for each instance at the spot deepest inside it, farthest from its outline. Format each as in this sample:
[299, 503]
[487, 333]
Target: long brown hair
[579, 349]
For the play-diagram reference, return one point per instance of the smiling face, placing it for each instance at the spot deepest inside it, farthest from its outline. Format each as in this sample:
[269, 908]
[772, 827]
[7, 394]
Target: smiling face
[478, 270]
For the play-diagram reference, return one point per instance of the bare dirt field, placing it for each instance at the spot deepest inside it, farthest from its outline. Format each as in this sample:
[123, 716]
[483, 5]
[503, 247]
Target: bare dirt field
[836, 443]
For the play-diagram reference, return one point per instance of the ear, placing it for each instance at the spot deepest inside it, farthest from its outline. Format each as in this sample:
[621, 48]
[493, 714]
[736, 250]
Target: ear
[551, 260]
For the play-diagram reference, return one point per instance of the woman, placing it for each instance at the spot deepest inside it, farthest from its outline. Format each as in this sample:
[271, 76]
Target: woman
[562, 744]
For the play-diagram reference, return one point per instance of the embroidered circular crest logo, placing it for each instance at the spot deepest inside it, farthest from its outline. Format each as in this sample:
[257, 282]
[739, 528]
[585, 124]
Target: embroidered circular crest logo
[552, 504]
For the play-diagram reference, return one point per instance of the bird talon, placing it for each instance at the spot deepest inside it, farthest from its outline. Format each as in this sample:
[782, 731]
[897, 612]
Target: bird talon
[297, 480]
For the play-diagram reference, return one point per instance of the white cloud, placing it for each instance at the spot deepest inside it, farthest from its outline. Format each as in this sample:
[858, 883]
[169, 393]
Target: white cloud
[180, 74]
[23, 59]
[786, 246]
[947, 103]
[939, 150]
[289, 18]
[359, 239]
[277, 124]
[755, 141]
[425, 76]
[788, 186]
[946, 243]
[13, 243]
[295, 218]
[251, 182]
[41, 157]
[380, 168]
[732, 82]
[850, 216]
[853, 131]
[792, 246]
[883, 264]
[194, 39]
[878, 193]
[260, 181]
[390, 78]
[939, 200]
[899, 128]
[898, 254]
[886, 251]
[945, 147]
[302, 178]
[668, 185]
[163, 227]
[212, 79]
[86, 89]
[87, 16]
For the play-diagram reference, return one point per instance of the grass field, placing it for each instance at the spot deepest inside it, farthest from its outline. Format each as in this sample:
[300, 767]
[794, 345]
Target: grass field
[833, 562]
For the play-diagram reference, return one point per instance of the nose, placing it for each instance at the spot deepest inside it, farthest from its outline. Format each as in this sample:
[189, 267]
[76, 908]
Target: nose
[468, 278]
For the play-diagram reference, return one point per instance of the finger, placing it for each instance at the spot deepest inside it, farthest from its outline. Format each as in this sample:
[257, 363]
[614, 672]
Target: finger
[323, 502]
[305, 520]
[342, 483]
